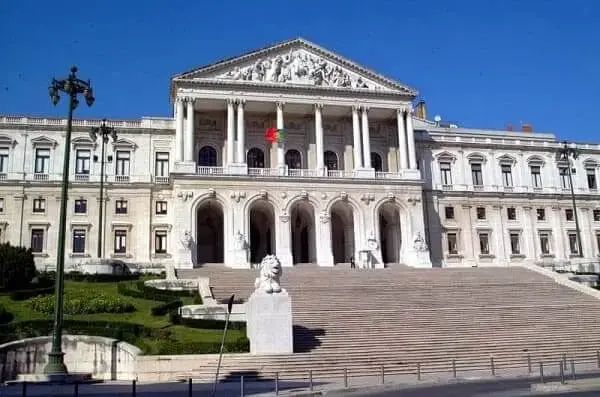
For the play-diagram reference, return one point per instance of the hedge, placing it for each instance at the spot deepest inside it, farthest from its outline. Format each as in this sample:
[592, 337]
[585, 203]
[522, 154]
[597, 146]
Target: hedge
[24, 294]
[165, 308]
[239, 345]
[5, 316]
[80, 303]
[17, 267]
[148, 294]
[141, 286]
[175, 318]
[94, 277]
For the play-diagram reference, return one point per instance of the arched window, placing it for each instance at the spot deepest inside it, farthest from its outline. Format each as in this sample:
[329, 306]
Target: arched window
[207, 157]
[293, 160]
[331, 160]
[376, 162]
[255, 158]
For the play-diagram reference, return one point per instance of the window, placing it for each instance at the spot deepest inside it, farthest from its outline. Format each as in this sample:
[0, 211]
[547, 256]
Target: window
[255, 158]
[595, 212]
[507, 175]
[207, 156]
[82, 162]
[123, 159]
[515, 243]
[376, 162]
[569, 214]
[121, 207]
[573, 244]
[3, 160]
[511, 213]
[161, 208]
[331, 160]
[160, 242]
[120, 241]
[484, 243]
[446, 171]
[564, 177]
[37, 240]
[591, 178]
[293, 160]
[161, 167]
[1, 205]
[536, 176]
[81, 206]
[598, 242]
[449, 212]
[452, 243]
[78, 241]
[481, 213]
[39, 205]
[541, 214]
[42, 161]
[545, 243]
[477, 174]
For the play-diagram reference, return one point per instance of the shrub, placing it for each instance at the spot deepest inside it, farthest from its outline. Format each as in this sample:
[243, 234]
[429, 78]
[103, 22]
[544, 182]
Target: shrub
[175, 318]
[80, 303]
[165, 308]
[153, 295]
[163, 292]
[239, 345]
[5, 316]
[24, 294]
[17, 267]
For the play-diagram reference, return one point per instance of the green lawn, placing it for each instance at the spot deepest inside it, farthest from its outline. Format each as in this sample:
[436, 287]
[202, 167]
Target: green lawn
[179, 334]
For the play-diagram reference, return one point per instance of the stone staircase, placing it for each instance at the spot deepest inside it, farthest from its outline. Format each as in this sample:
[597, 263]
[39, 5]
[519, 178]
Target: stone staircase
[399, 317]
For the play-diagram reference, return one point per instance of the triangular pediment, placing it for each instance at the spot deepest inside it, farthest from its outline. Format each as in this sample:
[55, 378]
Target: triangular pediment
[297, 63]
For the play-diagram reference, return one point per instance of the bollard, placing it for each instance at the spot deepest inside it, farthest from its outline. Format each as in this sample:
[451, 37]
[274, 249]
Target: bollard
[564, 361]
[276, 383]
[598, 358]
[310, 382]
[242, 386]
[454, 368]
[76, 391]
[541, 372]
[418, 371]
[345, 378]
[573, 369]
[492, 366]
[562, 373]
[190, 387]
[24, 394]
[529, 363]
[133, 392]
[382, 375]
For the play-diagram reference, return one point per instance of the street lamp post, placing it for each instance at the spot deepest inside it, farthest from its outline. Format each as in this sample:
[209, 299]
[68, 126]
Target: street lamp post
[104, 132]
[72, 86]
[566, 153]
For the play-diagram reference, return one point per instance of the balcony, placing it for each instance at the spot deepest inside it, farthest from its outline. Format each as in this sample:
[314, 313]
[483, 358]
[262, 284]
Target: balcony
[122, 178]
[41, 177]
[82, 177]
[161, 180]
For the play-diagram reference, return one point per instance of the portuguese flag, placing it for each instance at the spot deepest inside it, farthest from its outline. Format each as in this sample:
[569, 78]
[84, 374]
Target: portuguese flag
[274, 135]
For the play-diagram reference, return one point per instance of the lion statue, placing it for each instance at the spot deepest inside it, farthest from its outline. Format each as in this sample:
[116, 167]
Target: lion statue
[269, 274]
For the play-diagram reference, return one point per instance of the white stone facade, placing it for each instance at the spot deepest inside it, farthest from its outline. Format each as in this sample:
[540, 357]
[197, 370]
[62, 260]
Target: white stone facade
[358, 177]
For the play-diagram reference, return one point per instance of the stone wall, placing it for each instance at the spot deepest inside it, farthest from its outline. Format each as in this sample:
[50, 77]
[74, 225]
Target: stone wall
[105, 358]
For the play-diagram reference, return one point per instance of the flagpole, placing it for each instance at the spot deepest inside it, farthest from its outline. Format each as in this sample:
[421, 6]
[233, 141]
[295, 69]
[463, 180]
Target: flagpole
[229, 306]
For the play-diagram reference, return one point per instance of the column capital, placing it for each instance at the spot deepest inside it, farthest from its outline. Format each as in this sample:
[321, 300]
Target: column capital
[318, 106]
[365, 109]
[231, 101]
[240, 102]
[410, 110]
[189, 100]
[356, 108]
[280, 105]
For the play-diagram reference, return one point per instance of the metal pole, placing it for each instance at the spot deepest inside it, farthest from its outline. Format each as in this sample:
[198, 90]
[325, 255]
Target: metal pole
[56, 363]
[133, 390]
[190, 387]
[345, 378]
[310, 380]
[242, 386]
[573, 369]
[229, 305]
[529, 363]
[101, 209]
[492, 366]
[276, 383]
[577, 230]
[541, 372]
[382, 375]
[598, 358]
[454, 368]
[76, 391]
[564, 361]
[562, 372]
[418, 371]
[24, 391]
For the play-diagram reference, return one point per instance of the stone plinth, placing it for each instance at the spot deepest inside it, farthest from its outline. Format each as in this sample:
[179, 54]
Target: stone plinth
[269, 323]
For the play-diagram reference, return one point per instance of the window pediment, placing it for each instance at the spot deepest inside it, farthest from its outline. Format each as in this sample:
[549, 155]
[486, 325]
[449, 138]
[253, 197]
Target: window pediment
[535, 161]
[476, 158]
[44, 141]
[5, 140]
[83, 141]
[507, 160]
[124, 143]
[591, 163]
[445, 156]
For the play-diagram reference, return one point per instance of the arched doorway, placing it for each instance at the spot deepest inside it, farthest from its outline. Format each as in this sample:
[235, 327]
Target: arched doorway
[342, 232]
[207, 156]
[376, 162]
[303, 233]
[293, 159]
[389, 233]
[255, 158]
[331, 160]
[262, 230]
[209, 232]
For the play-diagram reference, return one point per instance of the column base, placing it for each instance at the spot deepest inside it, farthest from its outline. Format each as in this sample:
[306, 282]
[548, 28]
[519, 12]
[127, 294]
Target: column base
[239, 259]
[56, 364]
[286, 260]
[184, 259]
[282, 170]
[411, 173]
[366, 173]
[418, 259]
[237, 169]
[185, 167]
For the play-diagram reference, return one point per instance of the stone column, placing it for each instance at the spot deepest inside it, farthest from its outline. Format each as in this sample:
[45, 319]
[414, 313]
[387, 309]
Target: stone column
[560, 246]
[179, 130]
[280, 152]
[324, 243]
[366, 140]
[230, 131]
[241, 134]
[402, 148]
[319, 137]
[587, 244]
[412, 155]
[188, 154]
[358, 163]
[284, 240]
[528, 234]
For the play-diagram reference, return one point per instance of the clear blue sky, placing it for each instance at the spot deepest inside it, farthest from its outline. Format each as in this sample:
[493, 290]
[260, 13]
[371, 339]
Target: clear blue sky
[478, 63]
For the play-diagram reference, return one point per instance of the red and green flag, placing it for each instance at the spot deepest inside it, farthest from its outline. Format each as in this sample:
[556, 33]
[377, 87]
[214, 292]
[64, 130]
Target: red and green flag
[274, 135]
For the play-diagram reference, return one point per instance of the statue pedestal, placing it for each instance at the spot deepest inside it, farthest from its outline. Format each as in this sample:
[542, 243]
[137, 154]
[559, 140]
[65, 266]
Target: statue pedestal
[185, 167]
[184, 259]
[237, 169]
[269, 323]
[239, 259]
[418, 259]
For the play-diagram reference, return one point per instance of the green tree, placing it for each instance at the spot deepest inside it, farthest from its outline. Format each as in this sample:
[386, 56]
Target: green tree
[17, 267]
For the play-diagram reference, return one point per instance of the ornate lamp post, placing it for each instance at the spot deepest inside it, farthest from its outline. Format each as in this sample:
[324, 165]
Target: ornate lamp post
[72, 86]
[566, 153]
[104, 132]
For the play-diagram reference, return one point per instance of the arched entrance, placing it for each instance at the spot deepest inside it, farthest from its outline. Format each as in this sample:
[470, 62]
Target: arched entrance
[255, 158]
[209, 232]
[389, 233]
[262, 230]
[342, 232]
[207, 156]
[293, 159]
[303, 233]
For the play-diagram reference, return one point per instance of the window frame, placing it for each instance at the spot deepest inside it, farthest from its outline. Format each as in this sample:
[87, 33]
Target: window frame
[161, 164]
[82, 235]
[536, 177]
[39, 205]
[513, 211]
[42, 162]
[487, 238]
[449, 210]
[123, 163]
[82, 160]
[456, 243]
[161, 242]
[121, 207]
[120, 241]
[481, 213]
[542, 213]
[34, 247]
[511, 234]
[160, 207]
[446, 173]
[76, 207]
[477, 175]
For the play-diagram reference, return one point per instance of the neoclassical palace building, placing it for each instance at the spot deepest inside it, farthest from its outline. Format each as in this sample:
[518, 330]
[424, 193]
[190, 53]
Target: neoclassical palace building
[356, 173]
